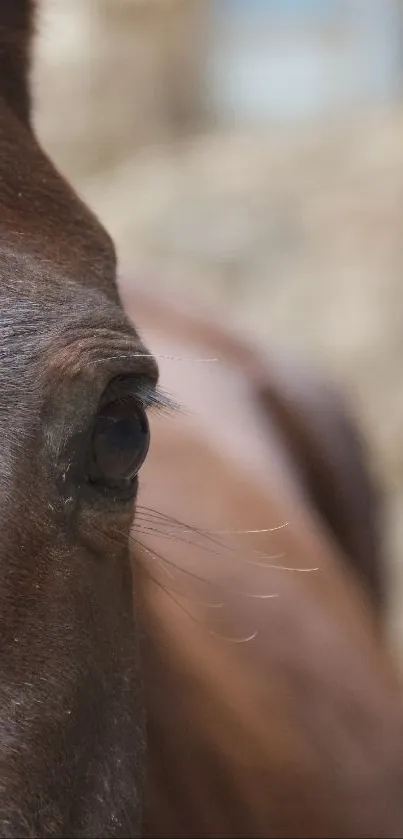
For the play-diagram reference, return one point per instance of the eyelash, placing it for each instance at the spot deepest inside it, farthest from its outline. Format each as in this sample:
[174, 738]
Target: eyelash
[152, 398]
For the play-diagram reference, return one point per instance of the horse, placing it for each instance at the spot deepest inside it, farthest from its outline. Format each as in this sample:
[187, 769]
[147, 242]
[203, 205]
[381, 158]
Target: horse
[198, 651]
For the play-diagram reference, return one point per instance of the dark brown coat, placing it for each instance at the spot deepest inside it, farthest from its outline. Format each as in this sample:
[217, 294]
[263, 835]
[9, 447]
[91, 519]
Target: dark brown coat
[265, 716]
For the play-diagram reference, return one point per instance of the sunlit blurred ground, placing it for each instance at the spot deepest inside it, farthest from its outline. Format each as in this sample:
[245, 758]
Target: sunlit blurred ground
[294, 235]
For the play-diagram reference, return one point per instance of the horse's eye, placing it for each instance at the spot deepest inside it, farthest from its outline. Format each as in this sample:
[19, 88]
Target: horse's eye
[119, 443]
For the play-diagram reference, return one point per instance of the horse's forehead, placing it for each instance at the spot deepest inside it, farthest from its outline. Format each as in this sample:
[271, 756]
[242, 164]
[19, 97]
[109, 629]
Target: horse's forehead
[35, 288]
[53, 237]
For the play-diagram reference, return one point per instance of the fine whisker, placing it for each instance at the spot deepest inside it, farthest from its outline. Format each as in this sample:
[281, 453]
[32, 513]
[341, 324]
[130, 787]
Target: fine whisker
[274, 567]
[248, 532]
[192, 574]
[172, 564]
[244, 640]
[145, 514]
[178, 525]
[260, 596]
[132, 356]
[226, 639]
[175, 537]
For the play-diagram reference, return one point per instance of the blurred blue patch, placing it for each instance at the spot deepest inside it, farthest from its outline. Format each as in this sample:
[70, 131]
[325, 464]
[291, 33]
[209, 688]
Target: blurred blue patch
[291, 59]
[299, 9]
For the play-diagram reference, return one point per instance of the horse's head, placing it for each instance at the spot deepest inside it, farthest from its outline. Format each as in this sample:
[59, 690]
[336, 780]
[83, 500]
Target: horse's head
[75, 382]
[296, 729]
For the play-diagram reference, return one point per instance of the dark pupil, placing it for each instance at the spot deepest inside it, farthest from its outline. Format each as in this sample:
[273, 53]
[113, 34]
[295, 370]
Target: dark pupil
[119, 442]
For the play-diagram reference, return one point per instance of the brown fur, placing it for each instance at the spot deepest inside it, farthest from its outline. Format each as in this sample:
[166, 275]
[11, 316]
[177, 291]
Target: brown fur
[297, 731]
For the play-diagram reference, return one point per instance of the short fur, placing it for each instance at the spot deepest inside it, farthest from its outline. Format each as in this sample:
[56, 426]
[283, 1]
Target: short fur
[294, 732]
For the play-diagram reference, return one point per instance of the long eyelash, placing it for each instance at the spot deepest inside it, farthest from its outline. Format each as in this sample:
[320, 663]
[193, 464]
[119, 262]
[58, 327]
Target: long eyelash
[152, 398]
[158, 399]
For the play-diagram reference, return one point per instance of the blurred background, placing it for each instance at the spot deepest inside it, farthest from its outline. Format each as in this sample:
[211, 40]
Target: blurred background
[251, 152]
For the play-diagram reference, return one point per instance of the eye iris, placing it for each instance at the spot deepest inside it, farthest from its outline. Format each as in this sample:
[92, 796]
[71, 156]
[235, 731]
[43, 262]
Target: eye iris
[120, 443]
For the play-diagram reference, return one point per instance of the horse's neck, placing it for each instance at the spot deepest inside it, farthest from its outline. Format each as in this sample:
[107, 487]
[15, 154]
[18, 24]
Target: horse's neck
[16, 26]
